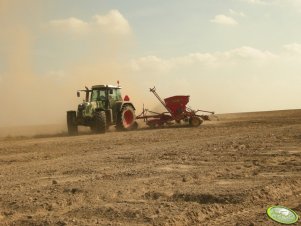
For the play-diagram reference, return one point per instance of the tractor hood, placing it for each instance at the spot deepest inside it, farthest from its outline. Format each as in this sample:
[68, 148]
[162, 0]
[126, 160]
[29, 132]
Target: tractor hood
[87, 109]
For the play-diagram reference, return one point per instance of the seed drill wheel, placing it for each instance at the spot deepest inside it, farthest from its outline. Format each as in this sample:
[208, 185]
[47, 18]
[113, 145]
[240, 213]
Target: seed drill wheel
[126, 118]
[195, 121]
[99, 122]
[71, 123]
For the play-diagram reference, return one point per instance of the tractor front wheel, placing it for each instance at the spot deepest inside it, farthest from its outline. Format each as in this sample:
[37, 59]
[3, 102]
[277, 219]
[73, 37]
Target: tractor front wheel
[195, 121]
[126, 118]
[99, 122]
[71, 123]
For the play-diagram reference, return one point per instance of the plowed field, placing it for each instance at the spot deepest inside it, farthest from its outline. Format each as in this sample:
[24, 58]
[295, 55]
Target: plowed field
[225, 172]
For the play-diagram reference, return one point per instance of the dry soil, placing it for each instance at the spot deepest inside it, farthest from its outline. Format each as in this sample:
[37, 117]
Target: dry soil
[225, 172]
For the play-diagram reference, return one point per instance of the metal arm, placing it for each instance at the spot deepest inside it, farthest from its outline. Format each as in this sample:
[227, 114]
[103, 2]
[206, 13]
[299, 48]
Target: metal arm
[153, 90]
[211, 112]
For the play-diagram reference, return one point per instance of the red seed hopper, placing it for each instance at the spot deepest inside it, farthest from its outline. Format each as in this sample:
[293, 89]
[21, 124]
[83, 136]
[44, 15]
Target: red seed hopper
[176, 111]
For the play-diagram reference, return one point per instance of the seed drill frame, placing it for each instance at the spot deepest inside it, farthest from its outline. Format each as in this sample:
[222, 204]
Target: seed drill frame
[176, 111]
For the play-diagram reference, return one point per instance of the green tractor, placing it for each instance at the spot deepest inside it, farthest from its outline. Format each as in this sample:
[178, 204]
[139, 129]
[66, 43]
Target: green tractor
[103, 106]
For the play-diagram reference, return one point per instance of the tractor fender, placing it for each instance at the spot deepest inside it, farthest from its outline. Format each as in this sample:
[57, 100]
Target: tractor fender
[120, 105]
[127, 103]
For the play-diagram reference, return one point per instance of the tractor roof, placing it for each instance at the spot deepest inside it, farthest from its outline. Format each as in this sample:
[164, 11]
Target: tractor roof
[105, 86]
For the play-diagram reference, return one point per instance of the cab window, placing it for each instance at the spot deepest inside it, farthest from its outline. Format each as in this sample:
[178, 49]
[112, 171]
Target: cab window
[98, 95]
[116, 95]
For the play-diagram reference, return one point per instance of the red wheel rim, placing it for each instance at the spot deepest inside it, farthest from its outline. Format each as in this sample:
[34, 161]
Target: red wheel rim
[128, 117]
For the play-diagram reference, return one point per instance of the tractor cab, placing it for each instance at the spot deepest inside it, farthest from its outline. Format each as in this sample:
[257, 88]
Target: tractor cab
[105, 95]
[108, 94]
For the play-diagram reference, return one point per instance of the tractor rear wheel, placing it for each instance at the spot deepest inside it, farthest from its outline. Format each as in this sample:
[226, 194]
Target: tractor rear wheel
[135, 126]
[99, 122]
[195, 121]
[126, 118]
[71, 123]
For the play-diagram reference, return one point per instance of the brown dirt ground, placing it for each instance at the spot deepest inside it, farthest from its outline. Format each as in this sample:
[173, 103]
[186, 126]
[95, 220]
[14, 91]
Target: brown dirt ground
[225, 172]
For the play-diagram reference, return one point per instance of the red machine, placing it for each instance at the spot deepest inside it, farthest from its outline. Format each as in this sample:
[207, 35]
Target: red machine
[176, 111]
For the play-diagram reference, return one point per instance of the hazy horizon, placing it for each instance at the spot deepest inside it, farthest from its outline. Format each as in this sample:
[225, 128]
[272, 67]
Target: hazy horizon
[229, 56]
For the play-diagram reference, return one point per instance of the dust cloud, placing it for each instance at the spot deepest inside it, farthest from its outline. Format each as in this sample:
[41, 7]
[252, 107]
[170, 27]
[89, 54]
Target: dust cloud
[29, 98]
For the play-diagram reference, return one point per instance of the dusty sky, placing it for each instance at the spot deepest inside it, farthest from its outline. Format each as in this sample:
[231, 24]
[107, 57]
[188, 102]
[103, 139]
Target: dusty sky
[229, 55]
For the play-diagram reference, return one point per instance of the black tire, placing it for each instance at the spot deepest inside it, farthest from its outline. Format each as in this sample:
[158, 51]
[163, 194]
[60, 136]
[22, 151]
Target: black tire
[71, 123]
[100, 122]
[92, 128]
[126, 118]
[205, 117]
[195, 121]
[135, 126]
